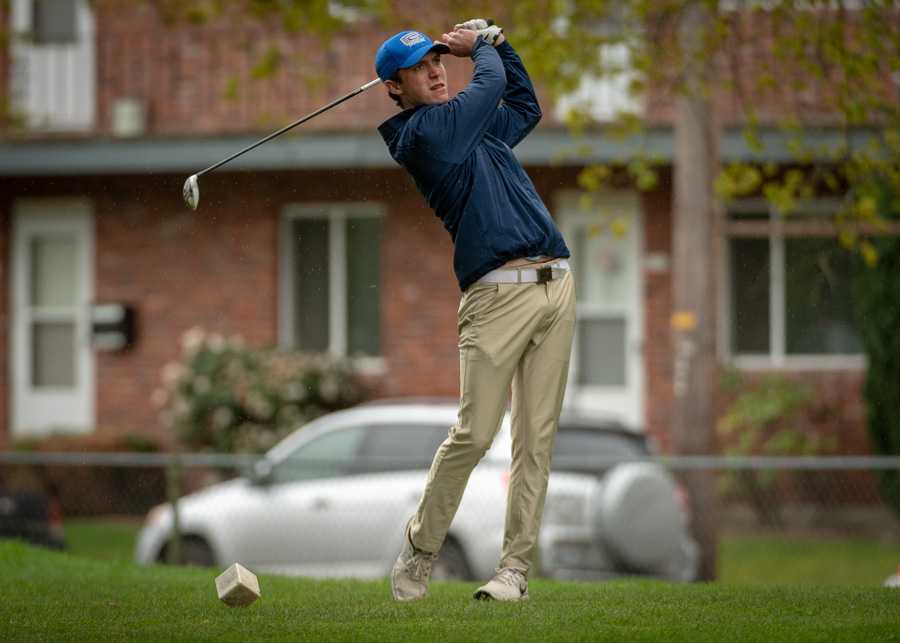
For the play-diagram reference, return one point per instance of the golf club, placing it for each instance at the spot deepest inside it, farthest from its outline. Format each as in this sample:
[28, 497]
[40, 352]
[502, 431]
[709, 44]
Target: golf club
[191, 186]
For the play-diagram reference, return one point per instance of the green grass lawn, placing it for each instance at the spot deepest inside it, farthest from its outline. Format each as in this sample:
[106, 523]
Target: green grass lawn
[102, 538]
[743, 559]
[774, 559]
[63, 596]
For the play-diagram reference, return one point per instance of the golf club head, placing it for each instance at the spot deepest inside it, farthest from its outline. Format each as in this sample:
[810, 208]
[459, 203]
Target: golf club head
[191, 192]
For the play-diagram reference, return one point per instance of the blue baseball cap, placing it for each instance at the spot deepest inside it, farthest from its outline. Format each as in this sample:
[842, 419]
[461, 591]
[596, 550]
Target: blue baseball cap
[403, 50]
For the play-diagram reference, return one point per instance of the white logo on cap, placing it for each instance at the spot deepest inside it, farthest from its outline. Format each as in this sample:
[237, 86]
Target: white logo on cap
[412, 38]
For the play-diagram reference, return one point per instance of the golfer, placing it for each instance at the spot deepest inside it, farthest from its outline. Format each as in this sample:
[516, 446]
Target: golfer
[517, 312]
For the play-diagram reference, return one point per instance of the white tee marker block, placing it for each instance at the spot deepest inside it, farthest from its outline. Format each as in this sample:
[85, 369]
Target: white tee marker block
[237, 586]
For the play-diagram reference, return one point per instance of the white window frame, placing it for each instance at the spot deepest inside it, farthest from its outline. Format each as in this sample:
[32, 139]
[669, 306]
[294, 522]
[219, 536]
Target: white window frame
[777, 228]
[334, 213]
[54, 85]
[607, 96]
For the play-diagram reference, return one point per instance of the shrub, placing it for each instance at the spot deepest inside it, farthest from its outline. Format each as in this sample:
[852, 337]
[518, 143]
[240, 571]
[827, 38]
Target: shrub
[767, 418]
[876, 292]
[226, 397]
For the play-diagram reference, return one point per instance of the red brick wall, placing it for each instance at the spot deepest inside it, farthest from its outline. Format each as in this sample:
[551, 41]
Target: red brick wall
[200, 79]
[420, 298]
[203, 79]
[218, 268]
[214, 268]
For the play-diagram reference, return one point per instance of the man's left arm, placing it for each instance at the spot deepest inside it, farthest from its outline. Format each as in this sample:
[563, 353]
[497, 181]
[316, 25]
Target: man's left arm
[519, 112]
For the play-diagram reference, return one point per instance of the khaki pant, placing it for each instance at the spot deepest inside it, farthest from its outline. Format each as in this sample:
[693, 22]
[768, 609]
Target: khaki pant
[509, 334]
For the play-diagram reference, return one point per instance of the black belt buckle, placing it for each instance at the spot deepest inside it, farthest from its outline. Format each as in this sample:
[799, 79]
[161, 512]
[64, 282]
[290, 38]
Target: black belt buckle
[544, 274]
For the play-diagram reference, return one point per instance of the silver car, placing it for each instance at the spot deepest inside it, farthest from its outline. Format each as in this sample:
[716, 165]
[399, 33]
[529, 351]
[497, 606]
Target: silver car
[331, 500]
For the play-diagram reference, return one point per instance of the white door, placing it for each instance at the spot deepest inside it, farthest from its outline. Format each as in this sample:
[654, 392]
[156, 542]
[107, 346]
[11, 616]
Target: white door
[605, 238]
[53, 66]
[52, 286]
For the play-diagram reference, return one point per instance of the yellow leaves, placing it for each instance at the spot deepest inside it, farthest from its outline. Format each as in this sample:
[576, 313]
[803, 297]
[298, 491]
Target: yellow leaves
[751, 137]
[606, 220]
[231, 88]
[643, 173]
[847, 238]
[594, 177]
[785, 195]
[869, 253]
[268, 64]
[851, 241]
[737, 180]
[867, 208]
[619, 227]
[607, 224]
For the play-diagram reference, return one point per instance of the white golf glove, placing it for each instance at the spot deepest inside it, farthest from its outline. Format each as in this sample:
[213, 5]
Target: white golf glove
[490, 32]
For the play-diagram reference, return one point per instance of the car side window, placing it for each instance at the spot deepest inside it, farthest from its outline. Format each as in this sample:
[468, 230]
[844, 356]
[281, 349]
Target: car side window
[328, 456]
[399, 447]
[580, 445]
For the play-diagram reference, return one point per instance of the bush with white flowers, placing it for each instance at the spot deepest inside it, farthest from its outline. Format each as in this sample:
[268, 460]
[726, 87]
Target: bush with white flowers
[226, 397]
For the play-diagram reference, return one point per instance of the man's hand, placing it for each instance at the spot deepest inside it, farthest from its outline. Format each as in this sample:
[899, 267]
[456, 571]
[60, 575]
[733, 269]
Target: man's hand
[487, 30]
[460, 41]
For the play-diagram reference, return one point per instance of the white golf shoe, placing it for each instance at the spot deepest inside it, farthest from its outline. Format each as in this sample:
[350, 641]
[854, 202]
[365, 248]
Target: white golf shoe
[409, 577]
[507, 585]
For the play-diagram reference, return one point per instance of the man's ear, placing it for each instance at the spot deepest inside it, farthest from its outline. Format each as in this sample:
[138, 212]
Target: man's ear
[393, 87]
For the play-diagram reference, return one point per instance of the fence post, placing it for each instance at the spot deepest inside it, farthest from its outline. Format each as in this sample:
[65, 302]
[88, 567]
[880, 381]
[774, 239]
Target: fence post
[173, 491]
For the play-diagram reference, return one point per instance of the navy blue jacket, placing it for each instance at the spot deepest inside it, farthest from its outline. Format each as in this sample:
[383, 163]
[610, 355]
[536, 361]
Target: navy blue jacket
[459, 154]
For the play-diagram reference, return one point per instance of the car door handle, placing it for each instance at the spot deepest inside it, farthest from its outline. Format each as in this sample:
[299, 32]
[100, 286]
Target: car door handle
[320, 504]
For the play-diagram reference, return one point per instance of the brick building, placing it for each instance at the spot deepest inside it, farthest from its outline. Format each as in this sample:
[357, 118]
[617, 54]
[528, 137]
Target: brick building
[319, 241]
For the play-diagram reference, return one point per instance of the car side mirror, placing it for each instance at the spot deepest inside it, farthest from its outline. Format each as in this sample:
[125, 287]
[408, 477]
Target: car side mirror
[262, 474]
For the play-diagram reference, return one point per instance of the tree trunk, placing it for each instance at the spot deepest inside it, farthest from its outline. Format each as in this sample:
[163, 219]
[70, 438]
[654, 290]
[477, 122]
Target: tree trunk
[695, 162]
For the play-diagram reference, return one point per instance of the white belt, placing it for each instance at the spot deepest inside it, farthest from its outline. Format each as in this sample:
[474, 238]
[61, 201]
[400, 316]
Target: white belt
[526, 275]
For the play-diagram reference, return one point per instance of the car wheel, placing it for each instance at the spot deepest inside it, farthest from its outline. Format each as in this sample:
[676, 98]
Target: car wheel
[451, 563]
[194, 552]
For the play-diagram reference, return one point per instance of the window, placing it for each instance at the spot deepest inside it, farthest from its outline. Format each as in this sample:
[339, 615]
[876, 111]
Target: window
[331, 276]
[604, 268]
[400, 448]
[53, 300]
[605, 94]
[586, 444]
[604, 97]
[53, 64]
[789, 290]
[328, 456]
[53, 22]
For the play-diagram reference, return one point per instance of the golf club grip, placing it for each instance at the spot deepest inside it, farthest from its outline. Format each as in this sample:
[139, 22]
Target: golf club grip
[284, 129]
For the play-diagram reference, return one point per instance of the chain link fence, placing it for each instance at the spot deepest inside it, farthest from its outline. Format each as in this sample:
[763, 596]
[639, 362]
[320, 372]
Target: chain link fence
[762, 501]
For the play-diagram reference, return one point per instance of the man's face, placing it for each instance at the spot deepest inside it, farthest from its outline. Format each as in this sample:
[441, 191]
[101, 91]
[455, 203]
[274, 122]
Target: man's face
[425, 83]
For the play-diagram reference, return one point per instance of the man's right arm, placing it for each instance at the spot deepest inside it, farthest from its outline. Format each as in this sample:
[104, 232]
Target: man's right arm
[452, 130]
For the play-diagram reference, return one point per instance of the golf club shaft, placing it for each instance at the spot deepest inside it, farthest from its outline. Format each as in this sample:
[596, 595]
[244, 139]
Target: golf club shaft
[284, 129]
